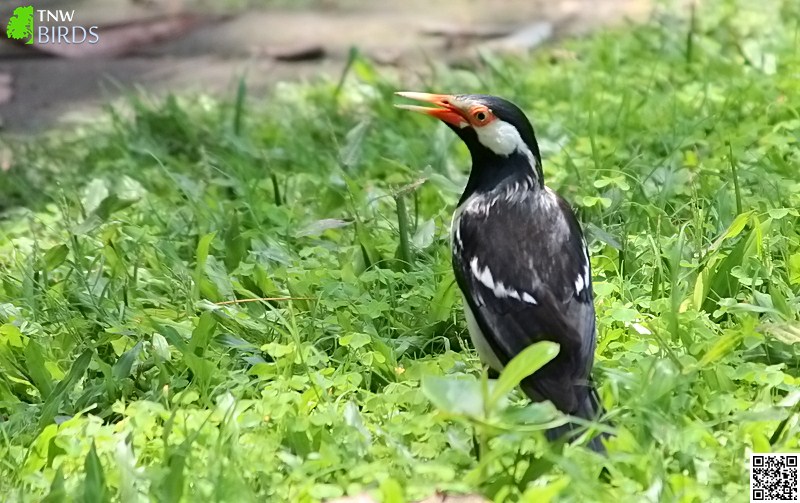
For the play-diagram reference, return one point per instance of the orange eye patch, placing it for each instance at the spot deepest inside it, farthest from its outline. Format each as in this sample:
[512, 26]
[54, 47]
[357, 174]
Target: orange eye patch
[480, 116]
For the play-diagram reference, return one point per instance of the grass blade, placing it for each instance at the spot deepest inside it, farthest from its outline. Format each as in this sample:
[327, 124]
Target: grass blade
[94, 485]
[53, 402]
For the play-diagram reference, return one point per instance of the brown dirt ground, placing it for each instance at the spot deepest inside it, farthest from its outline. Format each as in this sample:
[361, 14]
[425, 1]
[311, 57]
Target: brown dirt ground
[37, 92]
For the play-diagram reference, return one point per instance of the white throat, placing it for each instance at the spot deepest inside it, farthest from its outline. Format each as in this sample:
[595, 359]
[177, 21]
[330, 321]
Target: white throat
[503, 139]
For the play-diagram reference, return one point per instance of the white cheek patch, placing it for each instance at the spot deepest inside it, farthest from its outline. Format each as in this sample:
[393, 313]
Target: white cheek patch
[501, 138]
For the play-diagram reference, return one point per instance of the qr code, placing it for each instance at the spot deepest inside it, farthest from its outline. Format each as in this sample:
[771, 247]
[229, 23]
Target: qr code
[773, 478]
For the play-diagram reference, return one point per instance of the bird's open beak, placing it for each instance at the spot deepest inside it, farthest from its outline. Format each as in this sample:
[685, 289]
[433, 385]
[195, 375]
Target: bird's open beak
[447, 107]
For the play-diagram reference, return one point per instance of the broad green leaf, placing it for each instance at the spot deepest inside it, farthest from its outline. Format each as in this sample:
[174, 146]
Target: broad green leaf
[662, 379]
[778, 213]
[523, 365]
[203, 246]
[102, 213]
[203, 287]
[128, 472]
[53, 449]
[324, 492]
[534, 413]
[595, 232]
[11, 335]
[701, 287]
[203, 369]
[734, 229]
[423, 238]
[94, 193]
[320, 226]
[170, 487]
[111, 205]
[444, 183]
[55, 256]
[278, 350]
[369, 253]
[760, 442]
[769, 414]
[94, 485]
[160, 348]
[792, 399]
[547, 492]
[352, 417]
[170, 334]
[794, 269]
[202, 334]
[721, 347]
[461, 396]
[780, 302]
[722, 283]
[392, 491]
[122, 368]
[351, 153]
[624, 314]
[58, 491]
[35, 362]
[39, 447]
[364, 69]
[536, 468]
[355, 340]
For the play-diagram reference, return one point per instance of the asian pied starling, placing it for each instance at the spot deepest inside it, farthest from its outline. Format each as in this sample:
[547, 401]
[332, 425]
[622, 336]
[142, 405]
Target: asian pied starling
[519, 255]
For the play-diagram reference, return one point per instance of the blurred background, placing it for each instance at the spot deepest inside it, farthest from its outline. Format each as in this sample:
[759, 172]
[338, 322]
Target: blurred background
[167, 45]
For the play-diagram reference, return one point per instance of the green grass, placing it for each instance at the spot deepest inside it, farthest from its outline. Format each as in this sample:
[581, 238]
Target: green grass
[127, 374]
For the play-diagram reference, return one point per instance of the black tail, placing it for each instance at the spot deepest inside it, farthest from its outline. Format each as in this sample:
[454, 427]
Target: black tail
[591, 410]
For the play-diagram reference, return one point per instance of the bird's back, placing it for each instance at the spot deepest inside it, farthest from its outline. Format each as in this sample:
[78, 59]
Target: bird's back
[521, 262]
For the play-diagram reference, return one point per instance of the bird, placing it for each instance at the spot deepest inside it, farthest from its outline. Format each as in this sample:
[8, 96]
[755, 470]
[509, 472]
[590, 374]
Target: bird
[519, 256]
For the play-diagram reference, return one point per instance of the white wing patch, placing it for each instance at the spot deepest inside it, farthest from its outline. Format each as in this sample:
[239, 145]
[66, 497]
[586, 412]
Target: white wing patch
[483, 275]
[579, 284]
[500, 290]
[584, 277]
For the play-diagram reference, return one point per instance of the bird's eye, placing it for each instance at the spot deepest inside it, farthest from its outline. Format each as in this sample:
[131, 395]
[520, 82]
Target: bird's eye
[481, 116]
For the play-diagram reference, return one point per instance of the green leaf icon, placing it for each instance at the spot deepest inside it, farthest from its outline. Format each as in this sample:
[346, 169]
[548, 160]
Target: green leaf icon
[20, 26]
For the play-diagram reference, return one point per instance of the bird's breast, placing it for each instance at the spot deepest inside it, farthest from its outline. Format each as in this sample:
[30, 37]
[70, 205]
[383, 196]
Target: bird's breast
[483, 347]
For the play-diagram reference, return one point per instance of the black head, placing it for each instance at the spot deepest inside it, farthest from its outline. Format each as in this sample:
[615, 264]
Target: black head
[496, 132]
[504, 112]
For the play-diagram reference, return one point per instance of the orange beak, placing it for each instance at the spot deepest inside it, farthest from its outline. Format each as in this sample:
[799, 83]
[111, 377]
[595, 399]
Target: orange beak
[446, 107]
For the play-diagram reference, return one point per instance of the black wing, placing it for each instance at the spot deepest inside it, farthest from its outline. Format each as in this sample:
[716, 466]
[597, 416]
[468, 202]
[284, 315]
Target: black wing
[523, 267]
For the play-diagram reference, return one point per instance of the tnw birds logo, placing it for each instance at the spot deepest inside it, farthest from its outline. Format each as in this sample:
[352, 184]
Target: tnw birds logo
[51, 27]
[20, 26]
